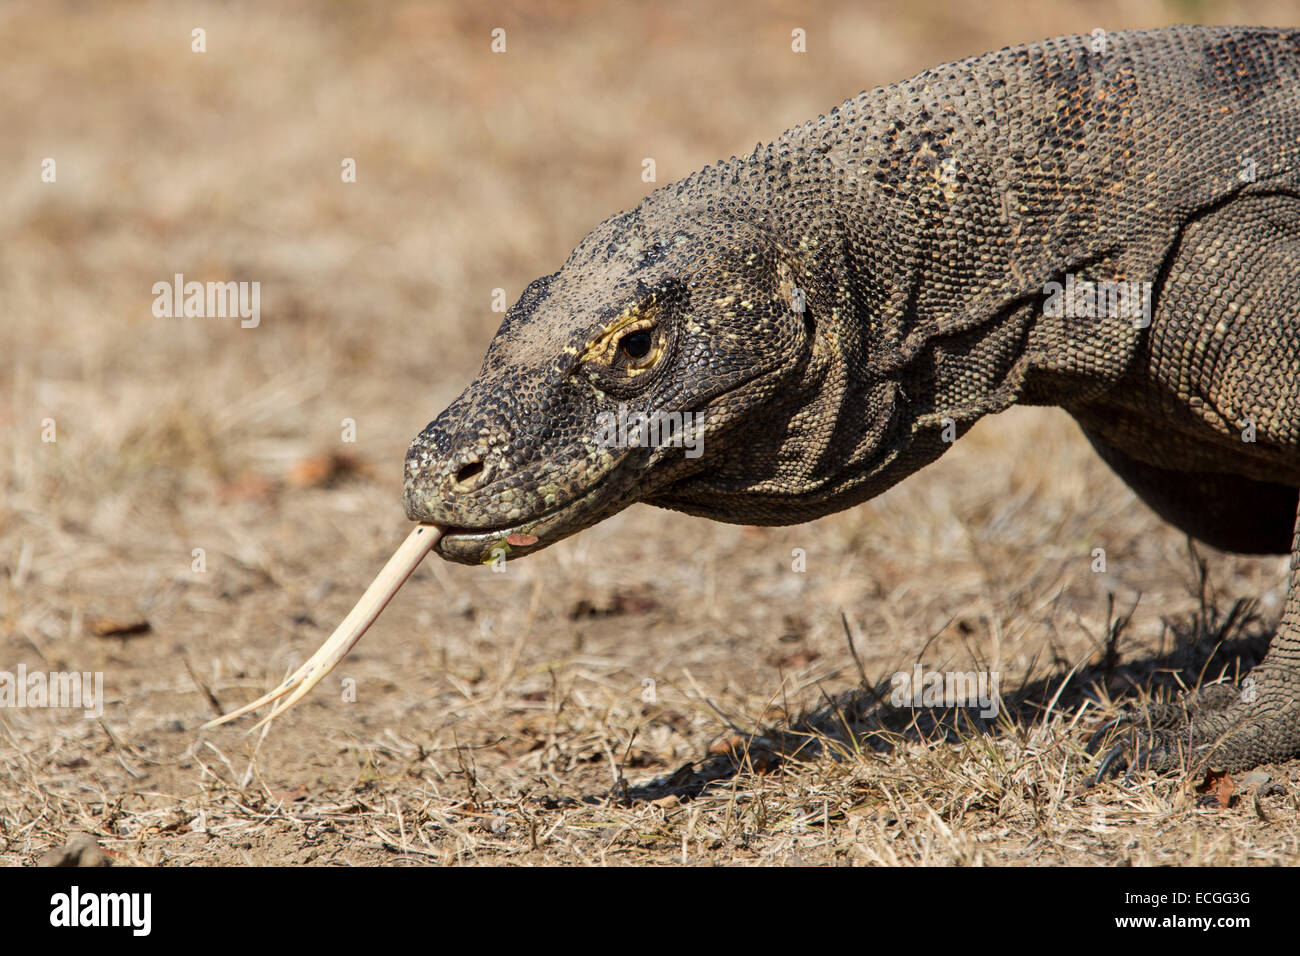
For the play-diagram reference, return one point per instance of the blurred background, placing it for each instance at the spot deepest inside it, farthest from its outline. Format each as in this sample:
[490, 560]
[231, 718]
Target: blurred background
[183, 442]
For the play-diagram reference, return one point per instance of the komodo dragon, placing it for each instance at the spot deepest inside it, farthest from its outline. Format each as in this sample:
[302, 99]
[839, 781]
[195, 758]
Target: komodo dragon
[1108, 223]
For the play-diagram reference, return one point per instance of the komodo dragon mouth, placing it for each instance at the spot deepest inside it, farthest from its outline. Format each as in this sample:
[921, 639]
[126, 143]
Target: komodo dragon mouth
[489, 545]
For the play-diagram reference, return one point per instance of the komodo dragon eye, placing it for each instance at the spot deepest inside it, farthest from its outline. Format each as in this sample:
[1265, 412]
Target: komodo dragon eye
[636, 345]
[628, 351]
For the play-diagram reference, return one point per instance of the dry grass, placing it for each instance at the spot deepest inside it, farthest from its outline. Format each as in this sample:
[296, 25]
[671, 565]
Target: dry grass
[499, 717]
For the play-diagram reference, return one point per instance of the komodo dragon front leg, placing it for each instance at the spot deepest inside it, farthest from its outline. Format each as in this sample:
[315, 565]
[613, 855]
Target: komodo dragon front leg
[1222, 727]
[1234, 514]
[1233, 376]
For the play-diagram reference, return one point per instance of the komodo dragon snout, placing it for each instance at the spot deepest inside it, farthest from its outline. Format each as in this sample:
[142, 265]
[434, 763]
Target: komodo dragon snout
[613, 381]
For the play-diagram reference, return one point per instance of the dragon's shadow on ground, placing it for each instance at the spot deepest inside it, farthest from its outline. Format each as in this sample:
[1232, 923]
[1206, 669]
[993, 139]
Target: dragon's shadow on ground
[1209, 646]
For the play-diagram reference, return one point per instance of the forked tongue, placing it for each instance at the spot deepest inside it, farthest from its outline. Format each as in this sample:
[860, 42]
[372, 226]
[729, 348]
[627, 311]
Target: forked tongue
[399, 567]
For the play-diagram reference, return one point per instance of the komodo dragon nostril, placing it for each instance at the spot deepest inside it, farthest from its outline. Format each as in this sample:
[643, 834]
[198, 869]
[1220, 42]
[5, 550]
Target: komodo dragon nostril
[470, 476]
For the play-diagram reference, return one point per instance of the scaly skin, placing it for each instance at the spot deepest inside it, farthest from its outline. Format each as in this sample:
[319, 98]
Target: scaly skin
[845, 302]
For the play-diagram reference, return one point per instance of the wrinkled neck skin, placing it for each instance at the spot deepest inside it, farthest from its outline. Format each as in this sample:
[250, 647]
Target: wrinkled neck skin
[926, 254]
[891, 376]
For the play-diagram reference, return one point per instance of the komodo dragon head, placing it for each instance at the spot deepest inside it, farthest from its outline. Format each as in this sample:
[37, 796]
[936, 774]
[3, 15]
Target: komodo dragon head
[690, 303]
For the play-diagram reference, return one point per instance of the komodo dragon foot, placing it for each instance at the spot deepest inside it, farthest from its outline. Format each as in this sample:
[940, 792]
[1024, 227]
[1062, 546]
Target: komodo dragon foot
[1221, 727]
[1160, 735]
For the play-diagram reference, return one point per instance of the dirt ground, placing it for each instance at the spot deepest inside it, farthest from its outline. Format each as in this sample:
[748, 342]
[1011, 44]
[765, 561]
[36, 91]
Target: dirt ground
[625, 696]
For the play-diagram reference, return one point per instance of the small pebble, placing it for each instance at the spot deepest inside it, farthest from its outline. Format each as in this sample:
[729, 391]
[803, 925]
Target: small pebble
[82, 850]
